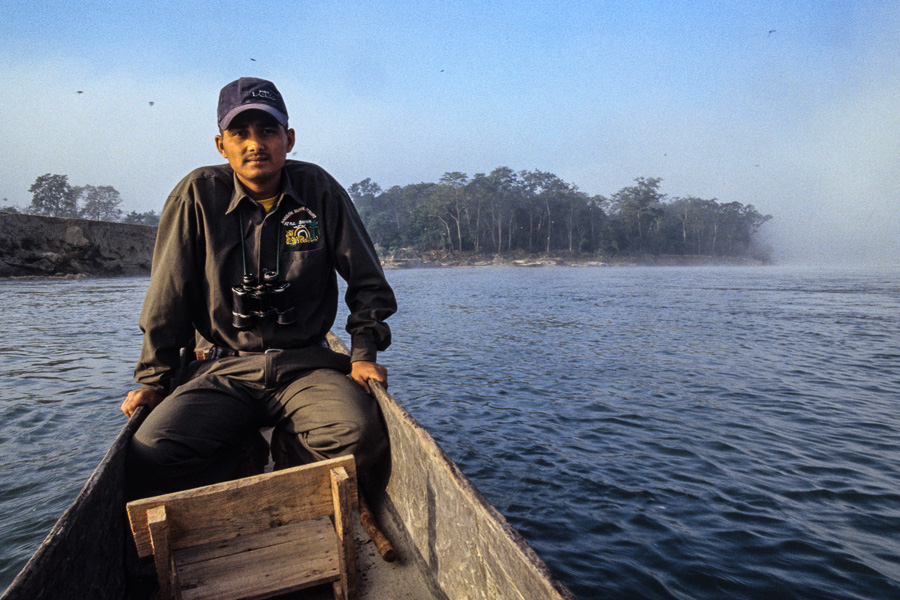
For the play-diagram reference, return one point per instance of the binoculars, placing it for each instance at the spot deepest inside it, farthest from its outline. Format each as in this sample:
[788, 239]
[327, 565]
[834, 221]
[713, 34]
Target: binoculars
[254, 300]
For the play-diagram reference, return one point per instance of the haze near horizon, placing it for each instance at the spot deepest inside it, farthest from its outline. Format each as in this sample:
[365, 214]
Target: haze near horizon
[788, 106]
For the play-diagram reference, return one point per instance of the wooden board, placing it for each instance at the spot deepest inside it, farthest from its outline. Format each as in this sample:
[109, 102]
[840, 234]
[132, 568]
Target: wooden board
[214, 520]
[305, 555]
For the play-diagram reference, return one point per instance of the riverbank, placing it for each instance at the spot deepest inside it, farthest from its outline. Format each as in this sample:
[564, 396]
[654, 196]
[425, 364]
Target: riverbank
[35, 246]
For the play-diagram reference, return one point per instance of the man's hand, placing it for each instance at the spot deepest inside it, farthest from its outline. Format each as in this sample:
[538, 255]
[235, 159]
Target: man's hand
[140, 397]
[362, 371]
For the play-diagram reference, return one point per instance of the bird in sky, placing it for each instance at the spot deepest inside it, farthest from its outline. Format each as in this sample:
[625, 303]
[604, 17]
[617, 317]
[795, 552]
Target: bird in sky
[771, 31]
[151, 103]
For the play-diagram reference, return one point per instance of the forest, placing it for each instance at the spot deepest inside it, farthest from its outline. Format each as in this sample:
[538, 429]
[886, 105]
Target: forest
[535, 212]
[501, 213]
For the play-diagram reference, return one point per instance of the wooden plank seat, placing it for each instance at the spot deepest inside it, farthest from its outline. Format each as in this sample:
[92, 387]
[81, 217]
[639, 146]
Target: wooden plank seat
[256, 537]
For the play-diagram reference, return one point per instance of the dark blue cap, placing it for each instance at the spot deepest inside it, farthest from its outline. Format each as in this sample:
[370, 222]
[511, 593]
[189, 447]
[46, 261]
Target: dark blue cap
[249, 93]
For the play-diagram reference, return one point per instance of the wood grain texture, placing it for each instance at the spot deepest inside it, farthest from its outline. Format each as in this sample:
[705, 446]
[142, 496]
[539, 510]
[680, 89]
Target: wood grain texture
[261, 565]
[238, 507]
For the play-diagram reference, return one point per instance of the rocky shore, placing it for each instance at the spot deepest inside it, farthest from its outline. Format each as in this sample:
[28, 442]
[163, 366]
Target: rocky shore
[33, 246]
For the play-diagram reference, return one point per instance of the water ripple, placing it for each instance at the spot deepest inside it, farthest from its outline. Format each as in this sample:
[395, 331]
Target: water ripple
[653, 433]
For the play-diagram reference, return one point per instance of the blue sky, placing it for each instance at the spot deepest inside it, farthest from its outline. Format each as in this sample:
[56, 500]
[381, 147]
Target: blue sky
[789, 106]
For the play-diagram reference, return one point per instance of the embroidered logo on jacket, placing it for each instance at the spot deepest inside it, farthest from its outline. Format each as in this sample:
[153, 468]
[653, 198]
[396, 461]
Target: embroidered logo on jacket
[301, 227]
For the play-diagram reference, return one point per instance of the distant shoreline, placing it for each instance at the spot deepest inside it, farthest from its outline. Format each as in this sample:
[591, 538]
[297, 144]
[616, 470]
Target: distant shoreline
[36, 247]
[408, 264]
[519, 260]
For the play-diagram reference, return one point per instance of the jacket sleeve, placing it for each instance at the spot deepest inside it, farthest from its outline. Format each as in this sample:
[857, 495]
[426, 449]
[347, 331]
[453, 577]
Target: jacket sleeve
[369, 297]
[166, 317]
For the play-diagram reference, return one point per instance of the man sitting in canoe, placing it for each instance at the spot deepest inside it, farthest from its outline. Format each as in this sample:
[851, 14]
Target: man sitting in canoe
[244, 269]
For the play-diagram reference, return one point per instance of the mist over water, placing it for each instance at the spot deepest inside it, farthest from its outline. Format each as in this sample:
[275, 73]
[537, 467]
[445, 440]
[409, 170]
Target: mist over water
[873, 241]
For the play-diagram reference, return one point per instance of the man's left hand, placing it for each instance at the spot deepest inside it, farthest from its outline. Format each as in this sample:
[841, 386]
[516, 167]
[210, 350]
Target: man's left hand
[362, 371]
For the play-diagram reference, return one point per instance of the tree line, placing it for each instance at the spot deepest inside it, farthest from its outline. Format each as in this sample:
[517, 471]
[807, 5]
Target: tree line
[498, 213]
[538, 213]
[54, 196]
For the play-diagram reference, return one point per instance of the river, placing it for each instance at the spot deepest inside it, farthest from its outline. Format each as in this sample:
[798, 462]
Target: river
[652, 432]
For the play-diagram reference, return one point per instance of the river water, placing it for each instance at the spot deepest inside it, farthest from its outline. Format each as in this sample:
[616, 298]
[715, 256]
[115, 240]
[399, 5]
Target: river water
[652, 432]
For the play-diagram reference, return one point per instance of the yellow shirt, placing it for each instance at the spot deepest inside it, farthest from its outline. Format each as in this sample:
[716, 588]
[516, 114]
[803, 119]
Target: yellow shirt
[268, 203]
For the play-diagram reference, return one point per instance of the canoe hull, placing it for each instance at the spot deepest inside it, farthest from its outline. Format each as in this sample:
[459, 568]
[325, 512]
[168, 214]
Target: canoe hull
[435, 514]
[452, 544]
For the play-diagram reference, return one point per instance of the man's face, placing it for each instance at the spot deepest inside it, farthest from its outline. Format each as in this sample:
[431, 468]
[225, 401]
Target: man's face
[256, 146]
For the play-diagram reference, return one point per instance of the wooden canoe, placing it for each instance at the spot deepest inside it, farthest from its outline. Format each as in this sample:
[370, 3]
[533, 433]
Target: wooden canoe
[450, 542]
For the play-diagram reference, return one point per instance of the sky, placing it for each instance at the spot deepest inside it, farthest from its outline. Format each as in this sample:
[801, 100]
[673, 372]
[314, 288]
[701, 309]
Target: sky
[793, 107]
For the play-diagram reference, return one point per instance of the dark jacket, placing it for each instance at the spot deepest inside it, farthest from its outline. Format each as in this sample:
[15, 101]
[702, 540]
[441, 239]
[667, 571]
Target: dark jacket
[313, 231]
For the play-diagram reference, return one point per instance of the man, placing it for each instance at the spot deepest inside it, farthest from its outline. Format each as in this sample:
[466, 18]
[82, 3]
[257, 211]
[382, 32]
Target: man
[244, 269]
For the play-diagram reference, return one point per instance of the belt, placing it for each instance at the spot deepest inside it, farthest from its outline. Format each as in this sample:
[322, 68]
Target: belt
[214, 352]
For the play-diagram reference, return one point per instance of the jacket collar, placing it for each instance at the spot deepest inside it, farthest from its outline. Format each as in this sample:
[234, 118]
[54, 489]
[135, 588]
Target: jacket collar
[286, 190]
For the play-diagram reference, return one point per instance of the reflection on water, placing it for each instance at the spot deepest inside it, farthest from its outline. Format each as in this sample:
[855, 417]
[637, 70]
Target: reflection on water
[653, 433]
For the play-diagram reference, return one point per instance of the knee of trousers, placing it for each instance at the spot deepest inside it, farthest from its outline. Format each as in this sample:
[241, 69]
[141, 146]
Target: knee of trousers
[163, 458]
[367, 442]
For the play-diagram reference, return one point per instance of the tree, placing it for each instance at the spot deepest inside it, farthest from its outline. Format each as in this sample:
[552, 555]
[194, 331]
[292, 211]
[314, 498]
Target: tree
[363, 195]
[395, 220]
[551, 192]
[100, 203]
[639, 208]
[51, 195]
[739, 223]
[599, 230]
[690, 215]
[506, 197]
[479, 190]
[451, 195]
[146, 218]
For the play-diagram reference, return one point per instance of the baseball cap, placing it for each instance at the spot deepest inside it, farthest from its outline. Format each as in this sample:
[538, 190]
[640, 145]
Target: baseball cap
[249, 93]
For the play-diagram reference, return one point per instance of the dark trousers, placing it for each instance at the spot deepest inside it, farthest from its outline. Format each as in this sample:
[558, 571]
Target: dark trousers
[192, 438]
